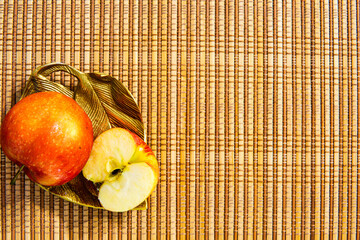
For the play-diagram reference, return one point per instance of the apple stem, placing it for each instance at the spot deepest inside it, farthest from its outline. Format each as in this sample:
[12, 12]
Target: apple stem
[16, 175]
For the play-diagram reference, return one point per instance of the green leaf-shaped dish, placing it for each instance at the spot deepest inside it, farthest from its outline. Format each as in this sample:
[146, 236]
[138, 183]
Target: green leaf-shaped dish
[107, 102]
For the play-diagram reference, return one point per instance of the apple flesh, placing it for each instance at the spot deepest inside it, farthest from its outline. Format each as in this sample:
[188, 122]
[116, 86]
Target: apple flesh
[126, 167]
[50, 134]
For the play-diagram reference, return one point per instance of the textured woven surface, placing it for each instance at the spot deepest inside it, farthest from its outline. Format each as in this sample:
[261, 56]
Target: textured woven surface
[250, 106]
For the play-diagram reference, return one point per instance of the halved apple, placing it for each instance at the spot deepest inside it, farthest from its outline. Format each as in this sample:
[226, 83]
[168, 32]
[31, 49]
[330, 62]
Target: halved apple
[126, 167]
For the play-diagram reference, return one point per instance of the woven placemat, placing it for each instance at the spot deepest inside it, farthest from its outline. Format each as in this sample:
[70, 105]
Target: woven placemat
[251, 108]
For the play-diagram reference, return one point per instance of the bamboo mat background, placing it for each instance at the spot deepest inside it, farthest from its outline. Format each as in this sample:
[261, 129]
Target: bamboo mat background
[251, 108]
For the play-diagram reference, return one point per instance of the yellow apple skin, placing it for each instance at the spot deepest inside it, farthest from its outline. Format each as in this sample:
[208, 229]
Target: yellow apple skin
[50, 134]
[147, 154]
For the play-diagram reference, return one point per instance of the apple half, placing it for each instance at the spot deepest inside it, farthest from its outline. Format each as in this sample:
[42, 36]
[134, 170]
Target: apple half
[126, 167]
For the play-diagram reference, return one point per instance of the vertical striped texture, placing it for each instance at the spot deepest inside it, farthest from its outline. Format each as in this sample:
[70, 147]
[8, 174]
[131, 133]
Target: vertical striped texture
[251, 107]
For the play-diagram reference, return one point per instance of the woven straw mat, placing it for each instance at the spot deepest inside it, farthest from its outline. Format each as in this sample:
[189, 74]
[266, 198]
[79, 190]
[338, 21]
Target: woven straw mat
[251, 108]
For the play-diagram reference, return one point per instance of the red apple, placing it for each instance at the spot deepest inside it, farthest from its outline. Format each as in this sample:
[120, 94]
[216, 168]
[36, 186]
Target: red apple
[126, 167]
[50, 134]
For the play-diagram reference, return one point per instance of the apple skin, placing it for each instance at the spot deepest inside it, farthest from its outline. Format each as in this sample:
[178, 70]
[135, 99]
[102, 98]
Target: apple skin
[50, 134]
[145, 151]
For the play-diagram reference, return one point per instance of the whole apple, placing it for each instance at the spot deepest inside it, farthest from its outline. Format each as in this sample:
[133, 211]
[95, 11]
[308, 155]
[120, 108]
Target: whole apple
[50, 134]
